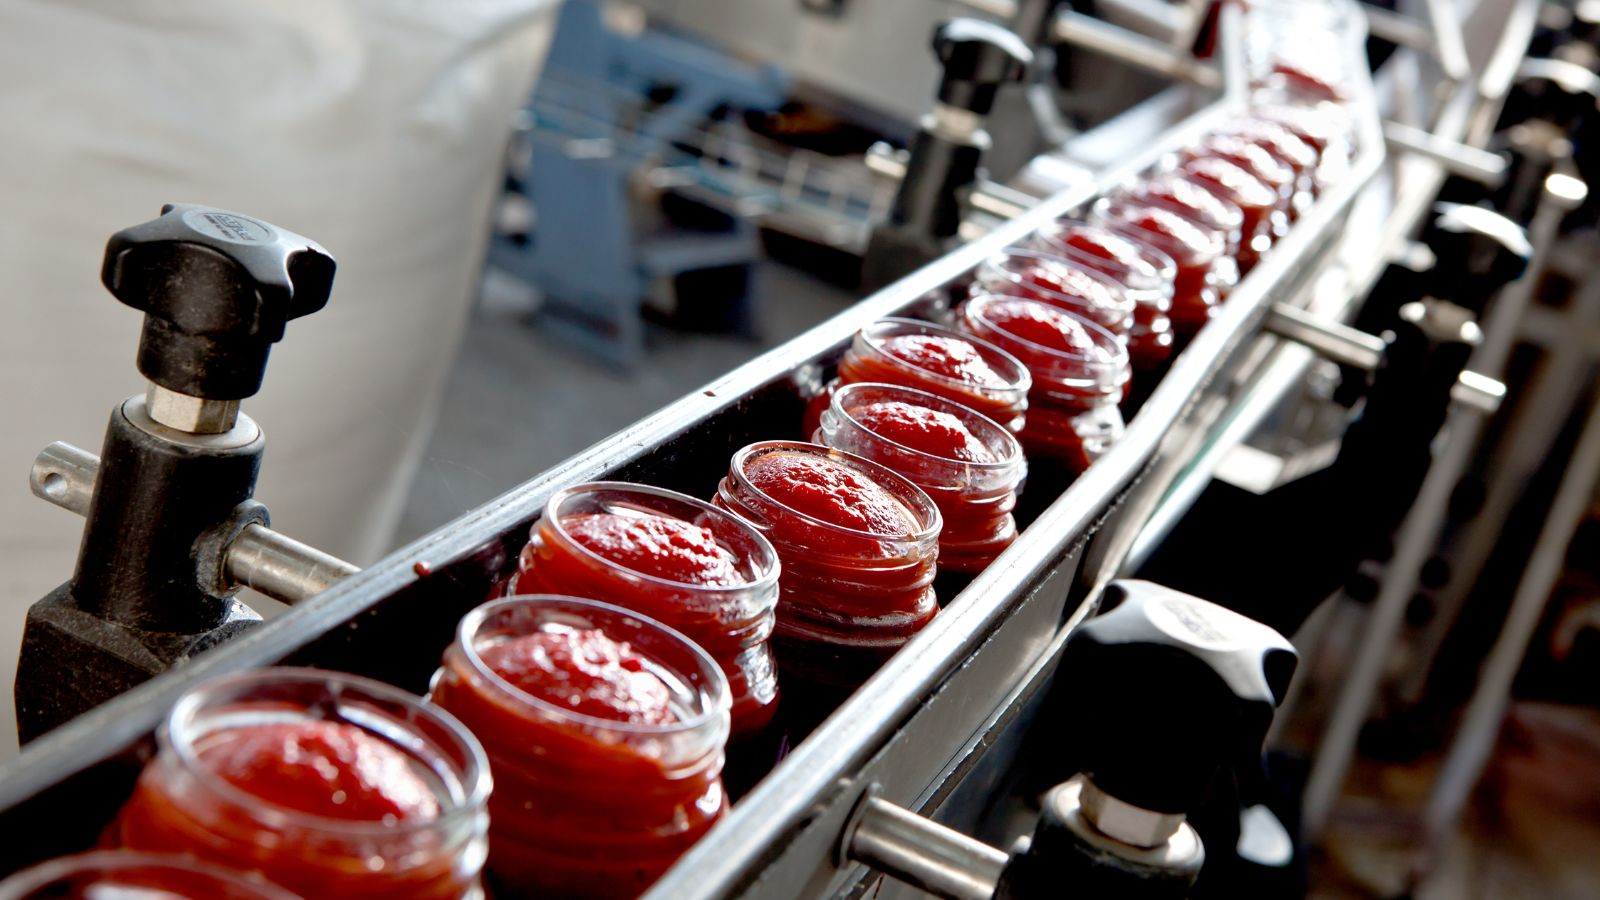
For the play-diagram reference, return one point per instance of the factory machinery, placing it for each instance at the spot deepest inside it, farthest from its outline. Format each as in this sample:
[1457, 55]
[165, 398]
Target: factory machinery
[1054, 729]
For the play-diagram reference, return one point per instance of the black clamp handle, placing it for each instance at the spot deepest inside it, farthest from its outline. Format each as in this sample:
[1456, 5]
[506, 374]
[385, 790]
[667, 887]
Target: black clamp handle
[978, 57]
[216, 288]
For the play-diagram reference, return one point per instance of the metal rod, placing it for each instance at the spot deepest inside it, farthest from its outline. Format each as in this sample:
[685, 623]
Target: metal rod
[1469, 162]
[1480, 727]
[259, 558]
[1448, 44]
[64, 475]
[1332, 340]
[923, 853]
[1397, 29]
[1134, 49]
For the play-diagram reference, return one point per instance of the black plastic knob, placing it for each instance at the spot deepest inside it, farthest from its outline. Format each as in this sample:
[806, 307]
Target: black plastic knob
[216, 289]
[1165, 689]
[1479, 251]
[978, 57]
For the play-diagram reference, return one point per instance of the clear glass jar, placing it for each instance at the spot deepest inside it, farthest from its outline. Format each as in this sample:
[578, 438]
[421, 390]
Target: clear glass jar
[1264, 222]
[112, 874]
[996, 386]
[1205, 271]
[1193, 202]
[848, 598]
[587, 806]
[730, 622]
[1246, 154]
[1072, 413]
[183, 803]
[1146, 275]
[1056, 279]
[975, 498]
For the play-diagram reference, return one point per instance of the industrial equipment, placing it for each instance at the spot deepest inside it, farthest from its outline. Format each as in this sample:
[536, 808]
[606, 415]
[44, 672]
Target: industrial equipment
[931, 771]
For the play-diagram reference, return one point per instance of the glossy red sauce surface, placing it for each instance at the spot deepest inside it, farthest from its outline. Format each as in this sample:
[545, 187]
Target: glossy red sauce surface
[1191, 200]
[584, 671]
[1282, 143]
[1042, 325]
[830, 492]
[950, 357]
[1251, 157]
[329, 769]
[930, 431]
[656, 545]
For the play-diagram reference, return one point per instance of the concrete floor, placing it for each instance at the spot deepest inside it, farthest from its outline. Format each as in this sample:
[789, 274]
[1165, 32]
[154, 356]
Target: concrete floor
[518, 402]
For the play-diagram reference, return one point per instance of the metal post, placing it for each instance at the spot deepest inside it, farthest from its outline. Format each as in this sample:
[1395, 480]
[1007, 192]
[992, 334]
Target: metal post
[922, 853]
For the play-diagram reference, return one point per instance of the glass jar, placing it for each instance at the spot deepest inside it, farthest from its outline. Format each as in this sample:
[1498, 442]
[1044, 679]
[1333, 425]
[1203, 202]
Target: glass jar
[1146, 275]
[1264, 223]
[586, 806]
[112, 874]
[1276, 175]
[1204, 270]
[975, 496]
[218, 748]
[937, 360]
[1072, 413]
[729, 621]
[1057, 280]
[1193, 202]
[849, 597]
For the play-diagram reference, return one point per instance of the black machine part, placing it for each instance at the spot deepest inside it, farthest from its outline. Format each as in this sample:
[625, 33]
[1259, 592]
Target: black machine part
[1169, 692]
[178, 466]
[216, 289]
[946, 157]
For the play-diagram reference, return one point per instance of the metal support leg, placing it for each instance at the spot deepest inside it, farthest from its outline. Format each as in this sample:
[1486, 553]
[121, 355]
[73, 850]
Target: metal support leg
[1480, 727]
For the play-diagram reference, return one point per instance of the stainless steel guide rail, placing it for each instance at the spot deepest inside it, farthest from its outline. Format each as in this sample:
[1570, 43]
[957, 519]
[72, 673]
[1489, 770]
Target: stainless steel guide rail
[915, 729]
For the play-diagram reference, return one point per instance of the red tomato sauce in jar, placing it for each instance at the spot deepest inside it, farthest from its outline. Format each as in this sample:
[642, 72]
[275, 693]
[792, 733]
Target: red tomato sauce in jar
[605, 731]
[1277, 176]
[323, 783]
[1145, 274]
[858, 543]
[113, 874]
[676, 559]
[1079, 373]
[1263, 222]
[1205, 273]
[1056, 280]
[1193, 202]
[967, 464]
[938, 360]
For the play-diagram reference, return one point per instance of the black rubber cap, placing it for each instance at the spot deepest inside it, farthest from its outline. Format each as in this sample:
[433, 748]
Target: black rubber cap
[978, 57]
[1479, 251]
[216, 289]
[1167, 687]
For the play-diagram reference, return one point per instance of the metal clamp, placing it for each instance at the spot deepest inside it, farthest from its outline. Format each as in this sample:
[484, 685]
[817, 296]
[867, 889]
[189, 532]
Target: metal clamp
[1354, 348]
[276, 565]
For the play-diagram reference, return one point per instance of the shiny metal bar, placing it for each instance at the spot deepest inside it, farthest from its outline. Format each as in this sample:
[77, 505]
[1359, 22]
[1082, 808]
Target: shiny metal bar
[1488, 169]
[922, 853]
[64, 475]
[259, 558]
[1332, 340]
[282, 567]
[1398, 29]
[1079, 30]
[1448, 44]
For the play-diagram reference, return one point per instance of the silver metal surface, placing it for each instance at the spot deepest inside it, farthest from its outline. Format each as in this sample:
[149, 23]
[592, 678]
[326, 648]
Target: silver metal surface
[1078, 30]
[1448, 44]
[282, 567]
[1478, 393]
[922, 853]
[957, 125]
[1331, 340]
[1184, 844]
[1124, 821]
[64, 475]
[260, 558]
[1464, 160]
[196, 415]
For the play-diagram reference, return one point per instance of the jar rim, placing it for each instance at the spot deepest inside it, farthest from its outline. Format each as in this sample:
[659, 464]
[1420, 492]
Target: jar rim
[1265, 199]
[1019, 380]
[1102, 336]
[716, 683]
[475, 780]
[1162, 268]
[20, 883]
[1014, 454]
[928, 511]
[769, 566]
[1216, 242]
[1118, 295]
[1139, 192]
